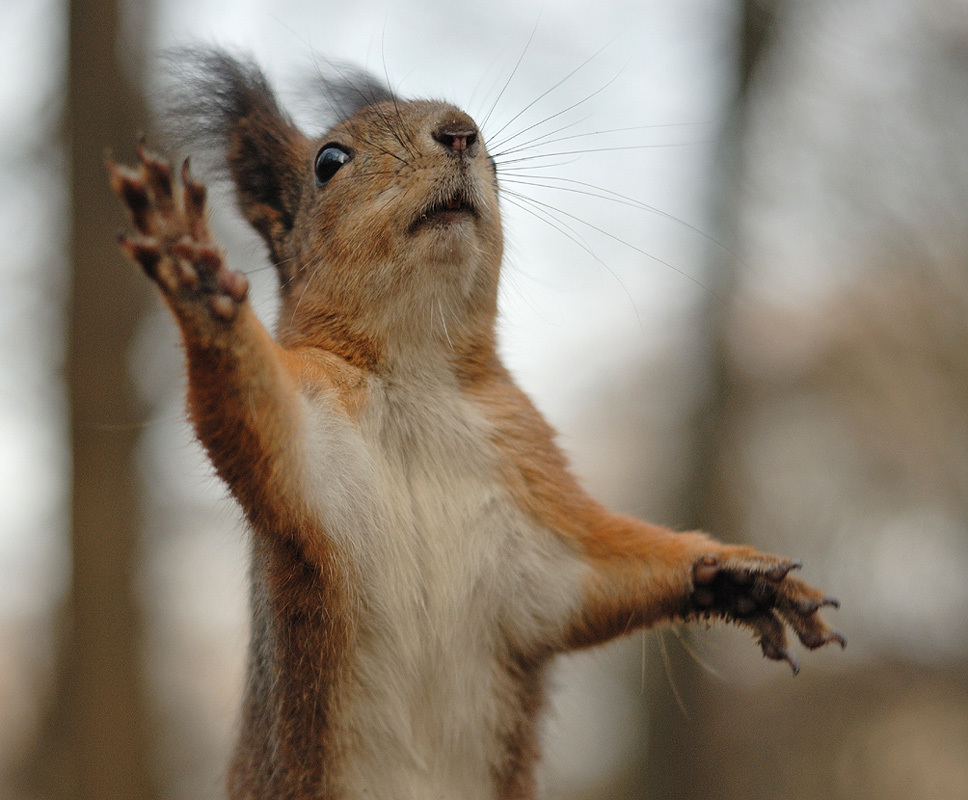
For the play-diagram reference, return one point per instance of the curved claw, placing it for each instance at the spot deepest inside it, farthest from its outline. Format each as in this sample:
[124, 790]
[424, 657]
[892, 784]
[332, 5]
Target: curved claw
[781, 654]
[810, 605]
[756, 590]
[128, 185]
[780, 571]
[143, 250]
[772, 639]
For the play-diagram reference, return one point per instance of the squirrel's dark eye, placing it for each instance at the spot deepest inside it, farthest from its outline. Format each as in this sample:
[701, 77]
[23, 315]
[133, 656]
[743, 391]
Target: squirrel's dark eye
[330, 158]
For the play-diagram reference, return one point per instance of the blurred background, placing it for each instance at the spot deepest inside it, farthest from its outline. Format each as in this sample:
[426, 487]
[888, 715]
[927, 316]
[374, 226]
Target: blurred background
[737, 282]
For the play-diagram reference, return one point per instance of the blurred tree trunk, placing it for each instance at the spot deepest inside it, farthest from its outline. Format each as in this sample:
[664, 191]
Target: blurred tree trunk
[94, 744]
[704, 506]
[104, 708]
[672, 769]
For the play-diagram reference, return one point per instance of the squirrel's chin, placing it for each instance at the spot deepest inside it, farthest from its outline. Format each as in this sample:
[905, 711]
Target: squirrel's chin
[450, 238]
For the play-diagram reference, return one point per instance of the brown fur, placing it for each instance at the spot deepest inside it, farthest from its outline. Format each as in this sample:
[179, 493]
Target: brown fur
[389, 274]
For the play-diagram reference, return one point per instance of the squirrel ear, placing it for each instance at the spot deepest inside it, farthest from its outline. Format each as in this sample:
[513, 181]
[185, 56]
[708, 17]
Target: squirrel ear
[222, 108]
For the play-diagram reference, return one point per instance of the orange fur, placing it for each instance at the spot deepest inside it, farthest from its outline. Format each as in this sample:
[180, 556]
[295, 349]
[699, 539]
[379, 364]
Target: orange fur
[402, 491]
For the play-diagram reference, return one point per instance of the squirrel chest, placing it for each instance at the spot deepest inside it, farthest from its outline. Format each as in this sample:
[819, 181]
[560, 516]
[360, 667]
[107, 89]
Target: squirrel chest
[452, 585]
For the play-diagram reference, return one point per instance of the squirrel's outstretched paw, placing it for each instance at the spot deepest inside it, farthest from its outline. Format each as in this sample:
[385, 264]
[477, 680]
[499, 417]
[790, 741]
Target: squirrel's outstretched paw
[756, 590]
[173, 244]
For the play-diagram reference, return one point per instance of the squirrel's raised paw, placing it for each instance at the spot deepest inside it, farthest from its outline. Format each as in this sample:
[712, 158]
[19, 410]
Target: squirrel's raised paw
[173, 244]
[753, 589]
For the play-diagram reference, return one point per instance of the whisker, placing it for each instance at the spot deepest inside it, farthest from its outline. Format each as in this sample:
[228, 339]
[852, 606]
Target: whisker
[523, 201]
[384, 150]
[542, 141]
[667, 665]
[443, 321]
[399, 132]
[502, 166]
[544, 94]
[538, 141]
[687, 646]
[600, 193]
[257, 270]
[557, 114]
[514, 71]
[627, 244]
[656, 146]
[367, 99]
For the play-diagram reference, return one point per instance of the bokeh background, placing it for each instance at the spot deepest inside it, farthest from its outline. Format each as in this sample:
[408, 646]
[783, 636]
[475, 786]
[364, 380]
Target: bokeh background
[737, 282]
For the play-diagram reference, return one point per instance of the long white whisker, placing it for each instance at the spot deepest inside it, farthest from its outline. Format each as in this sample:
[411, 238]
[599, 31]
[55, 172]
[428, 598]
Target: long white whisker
[514, 72]
[543, 141]
[670, 677]
[544, 94]
[591, 190]
[616, 149]
[629, 245]
[522, 201]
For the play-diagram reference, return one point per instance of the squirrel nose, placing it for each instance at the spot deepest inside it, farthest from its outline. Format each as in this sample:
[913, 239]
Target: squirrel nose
[460, 136]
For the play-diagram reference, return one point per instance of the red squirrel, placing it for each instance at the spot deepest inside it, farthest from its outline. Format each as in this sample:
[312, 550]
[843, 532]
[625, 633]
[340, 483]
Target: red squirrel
[420, 549]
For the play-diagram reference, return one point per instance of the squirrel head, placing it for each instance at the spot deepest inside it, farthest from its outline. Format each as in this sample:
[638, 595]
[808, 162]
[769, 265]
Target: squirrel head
[384, 230]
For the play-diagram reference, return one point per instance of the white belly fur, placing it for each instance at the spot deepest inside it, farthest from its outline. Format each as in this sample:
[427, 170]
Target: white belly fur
[451, 577]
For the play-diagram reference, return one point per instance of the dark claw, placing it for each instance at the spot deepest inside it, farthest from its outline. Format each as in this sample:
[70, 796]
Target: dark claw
[780, 571]
[185, 248]
[194, 192]
[158, 174]
[776, 653]
[755, 591]
[233, 284]
[145, 252]
[209, 259]
[132, 191]
[814, 639]
[807, 606]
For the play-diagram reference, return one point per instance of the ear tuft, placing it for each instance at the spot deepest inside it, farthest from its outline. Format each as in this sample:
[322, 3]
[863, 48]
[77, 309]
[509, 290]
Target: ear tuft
[206, 93]
[337, 91]
[220, 108]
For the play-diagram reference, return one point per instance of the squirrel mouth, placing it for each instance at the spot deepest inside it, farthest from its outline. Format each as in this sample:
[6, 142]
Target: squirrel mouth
[453, 209]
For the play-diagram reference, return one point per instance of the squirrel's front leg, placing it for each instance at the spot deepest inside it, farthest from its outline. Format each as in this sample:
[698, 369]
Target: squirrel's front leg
[242, 391]
[643, 575]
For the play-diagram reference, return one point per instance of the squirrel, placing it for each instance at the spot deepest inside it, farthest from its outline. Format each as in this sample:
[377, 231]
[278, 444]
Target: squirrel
[420, 550]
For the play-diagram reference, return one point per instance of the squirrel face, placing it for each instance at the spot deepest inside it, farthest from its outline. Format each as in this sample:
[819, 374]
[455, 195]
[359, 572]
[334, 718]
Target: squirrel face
[398, 212]
[384, 230]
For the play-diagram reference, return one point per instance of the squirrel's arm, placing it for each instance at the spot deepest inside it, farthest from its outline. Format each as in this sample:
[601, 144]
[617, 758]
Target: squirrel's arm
[638, 574]
[245, 392]
[643, 574]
